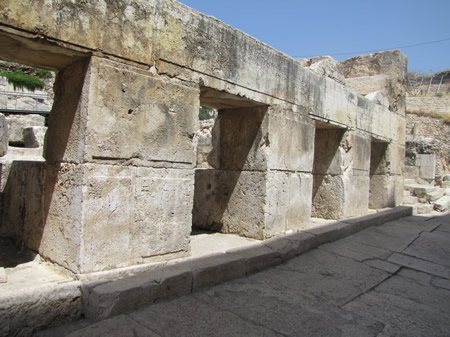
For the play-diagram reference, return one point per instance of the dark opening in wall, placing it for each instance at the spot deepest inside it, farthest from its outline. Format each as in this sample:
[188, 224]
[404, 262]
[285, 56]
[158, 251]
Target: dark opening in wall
[328, 186]
[379, 171]
[223, 193]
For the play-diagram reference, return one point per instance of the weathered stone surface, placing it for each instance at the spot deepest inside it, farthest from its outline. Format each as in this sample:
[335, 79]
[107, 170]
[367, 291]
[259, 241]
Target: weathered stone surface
[364, 85]
[215, 321]
[120, 147]
[17, 123]
[289, 198]
[326, 66]
[392, 63]
[46, 306]
[121, 326]
[379, 98]
[328, 197]
[443, 203]
[4, 135]
[128, 119]
[230, 202]
[243, 139]
[290, 145]
[34, 136]
[385, 191]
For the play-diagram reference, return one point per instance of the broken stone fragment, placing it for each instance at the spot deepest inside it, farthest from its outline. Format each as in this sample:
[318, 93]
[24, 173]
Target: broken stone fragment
[34, 136]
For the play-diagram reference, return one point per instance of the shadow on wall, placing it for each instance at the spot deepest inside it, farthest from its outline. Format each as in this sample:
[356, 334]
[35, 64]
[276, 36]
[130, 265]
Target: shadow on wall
[31, 186]
[328, 186]
[236, 135]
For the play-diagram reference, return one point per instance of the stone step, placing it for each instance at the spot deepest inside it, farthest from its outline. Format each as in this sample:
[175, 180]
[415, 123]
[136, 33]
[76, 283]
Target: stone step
[442, 204]
[409, 200]
[435, 195]
[420, 190]
[422, 208]
[409, 181]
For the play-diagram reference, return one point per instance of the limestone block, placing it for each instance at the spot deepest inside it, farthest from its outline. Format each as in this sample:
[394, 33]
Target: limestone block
[379, 98]
[391, 62]
[107, 111]
[291, 141]
[366, 84]
[328, 197]
[360, 153]
[61, 238]
[385, 191]
[34, 136]
[141, 212]
[163, 201]
[411, 172]
[243, 138]
[356, 195]
[289, 198]
[22, 198]
[427, 165]
[230, 202]
[4, 135]
[396, 157]
[327, 152]
[327, 66]
[17, 123]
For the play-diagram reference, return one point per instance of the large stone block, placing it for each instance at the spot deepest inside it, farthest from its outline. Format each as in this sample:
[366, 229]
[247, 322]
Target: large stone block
[163, 211]
[230, 202]
[17, 124]
[23, 212]
[385, 191]
[289, 198]
[243, 138]
[328, 157]
[132, 114]
[328, 197]
[108, 111]
[105, 216]
[356, 195]
[34, 136]
[360, 153]
[291, 140]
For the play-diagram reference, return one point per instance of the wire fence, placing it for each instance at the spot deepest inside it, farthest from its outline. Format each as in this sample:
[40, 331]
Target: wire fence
[25, 102]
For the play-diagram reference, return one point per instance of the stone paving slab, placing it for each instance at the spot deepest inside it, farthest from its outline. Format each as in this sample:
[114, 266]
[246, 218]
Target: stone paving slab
[320, 293]
[402, 317]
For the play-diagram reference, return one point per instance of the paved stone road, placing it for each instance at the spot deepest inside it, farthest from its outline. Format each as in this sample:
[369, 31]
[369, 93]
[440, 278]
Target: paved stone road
[391, 280]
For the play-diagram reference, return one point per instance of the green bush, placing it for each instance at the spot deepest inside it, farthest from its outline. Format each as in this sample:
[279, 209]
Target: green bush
[439, 94]
[43, 73]
[206, 113]
[20, 80]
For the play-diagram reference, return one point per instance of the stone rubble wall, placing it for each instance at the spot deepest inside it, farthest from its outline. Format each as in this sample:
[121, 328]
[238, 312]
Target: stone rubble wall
[437, 105]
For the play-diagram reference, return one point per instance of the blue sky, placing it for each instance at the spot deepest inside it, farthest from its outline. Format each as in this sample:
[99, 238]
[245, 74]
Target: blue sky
[328, 27]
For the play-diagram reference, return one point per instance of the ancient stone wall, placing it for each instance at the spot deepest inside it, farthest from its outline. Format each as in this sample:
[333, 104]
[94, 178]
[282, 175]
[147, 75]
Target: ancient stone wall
[437, 105]
[120, 184]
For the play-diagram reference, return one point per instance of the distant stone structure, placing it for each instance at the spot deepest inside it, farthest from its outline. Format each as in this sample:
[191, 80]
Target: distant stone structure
[120, 183]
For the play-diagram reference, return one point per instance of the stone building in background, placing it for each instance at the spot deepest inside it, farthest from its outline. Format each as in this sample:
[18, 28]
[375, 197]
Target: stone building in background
[120, 184]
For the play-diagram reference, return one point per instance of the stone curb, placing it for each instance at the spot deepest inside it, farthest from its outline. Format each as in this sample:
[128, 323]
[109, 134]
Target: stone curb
[178, 279]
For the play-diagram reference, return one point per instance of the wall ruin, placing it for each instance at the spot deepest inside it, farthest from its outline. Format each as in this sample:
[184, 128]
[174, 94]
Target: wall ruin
[120, 184]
